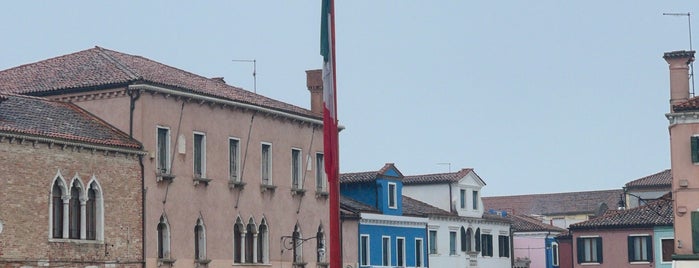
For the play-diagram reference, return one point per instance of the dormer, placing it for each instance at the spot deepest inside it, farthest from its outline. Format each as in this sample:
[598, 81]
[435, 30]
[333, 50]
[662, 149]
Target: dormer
[466, 195]
[457, 192]
[381, 189]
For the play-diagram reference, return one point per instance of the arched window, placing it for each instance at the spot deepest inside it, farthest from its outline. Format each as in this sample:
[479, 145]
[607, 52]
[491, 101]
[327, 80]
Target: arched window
[478, 239]
[57, 210]
[163, 238]
[91, 214]
[75, 212]
[320, 244]
[466, 240]
[297, 240]
[250, 232]
[199, 241]
[238, 230]
[262, 243]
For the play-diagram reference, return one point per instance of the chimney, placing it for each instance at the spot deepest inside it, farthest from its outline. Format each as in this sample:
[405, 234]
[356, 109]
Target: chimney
[679, 75]
[219, 79]
[314, 82]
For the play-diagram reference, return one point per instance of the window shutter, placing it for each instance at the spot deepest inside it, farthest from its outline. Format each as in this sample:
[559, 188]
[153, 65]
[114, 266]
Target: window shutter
[581, 250]
[599, 250]
[695, 231]
[478, 239]
[649, 248]
[631, 248]
[695, 149]
[463, 239]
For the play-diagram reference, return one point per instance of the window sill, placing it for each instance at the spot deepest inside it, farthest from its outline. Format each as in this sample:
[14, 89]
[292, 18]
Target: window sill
[236, 184]
[76, 241]
[322, 194]
[299, 264]
[202, 262]
[164, 177]
[198, 179]
[251, 264]
[297, 191]
[167, 262]
[267, 187]
[589, 263]
[639, 262]
[323, 264]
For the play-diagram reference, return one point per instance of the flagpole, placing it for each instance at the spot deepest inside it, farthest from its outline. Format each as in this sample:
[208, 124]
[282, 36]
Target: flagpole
[335, 228]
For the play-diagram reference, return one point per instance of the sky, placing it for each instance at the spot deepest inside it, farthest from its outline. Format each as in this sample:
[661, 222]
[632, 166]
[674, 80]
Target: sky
[537, 96]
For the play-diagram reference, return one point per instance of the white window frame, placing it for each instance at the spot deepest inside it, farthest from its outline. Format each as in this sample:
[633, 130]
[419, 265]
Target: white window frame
[364, 251]
[463, 199]
[452, 243]
[166, 237]
[401, 262]
[264, 238]
[644, 241]
[201, 241]
[476, 198]
[202, 157]
[386, 254]
[555, 257]
[660, 248]
[420, 253]
[433, 242]
[393, 200]
[166, 153]
[234, 177]
[269, 164]
[321, 177]
[296, 177]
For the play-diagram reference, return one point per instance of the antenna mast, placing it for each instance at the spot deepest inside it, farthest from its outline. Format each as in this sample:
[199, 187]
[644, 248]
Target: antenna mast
[254, 72]
[689, 24]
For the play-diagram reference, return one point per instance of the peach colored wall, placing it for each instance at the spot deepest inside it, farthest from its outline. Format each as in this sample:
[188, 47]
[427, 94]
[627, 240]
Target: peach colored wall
[614, 247]
[183, 202]
[350, 242]
[532, 248]
[682, 168]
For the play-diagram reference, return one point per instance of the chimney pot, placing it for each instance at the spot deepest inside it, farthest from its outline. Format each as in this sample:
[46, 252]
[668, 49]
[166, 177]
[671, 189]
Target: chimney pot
[314, 82]
[678, 62]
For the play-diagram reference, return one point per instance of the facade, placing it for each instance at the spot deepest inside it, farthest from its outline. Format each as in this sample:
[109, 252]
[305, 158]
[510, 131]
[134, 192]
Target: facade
[535, 241]
[464, 236]
[625, 238]
[387, 235]
[231, 177]
[71, 195]
[558, 209]
[684, 156]
[643, 190]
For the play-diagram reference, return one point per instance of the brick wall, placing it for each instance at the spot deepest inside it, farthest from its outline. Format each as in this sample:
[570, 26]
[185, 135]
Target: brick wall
[26, 174]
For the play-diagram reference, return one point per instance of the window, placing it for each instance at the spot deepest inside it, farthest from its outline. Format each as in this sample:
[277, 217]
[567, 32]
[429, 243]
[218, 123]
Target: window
[695, 149]
[392, 195]
[364, 250]
[238, 233]
[91, 213]
[589, 249]
[487, 245]
[477, 238]
[163, 151]
[463, 198]
[263, 243]
[503, 246]
[74, 212]
[321, 177]
[466, 238]
[695, 231]
[297, 240]
[320, 245]
[266, 159]
[640, 248]
[418, 252]
[400, 251]
[475, 200]
[199, 155]
[57, 209]
[199, 241]
[385, 251]
[163, 238]
[250, 232]
[234, 160]
[668, 247]
[296, 182]
[433, 241]
[452, 243]
[554, 254]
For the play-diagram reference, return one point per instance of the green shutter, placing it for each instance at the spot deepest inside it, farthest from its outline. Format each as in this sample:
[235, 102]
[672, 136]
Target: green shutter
[478, 239]
[649, 248]
[695, 231]
[581, 250]
[599, 250]
[630, 244]
[463, 239]
[695, 149]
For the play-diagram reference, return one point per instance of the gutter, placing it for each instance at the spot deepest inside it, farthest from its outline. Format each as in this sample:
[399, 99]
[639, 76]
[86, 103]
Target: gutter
[84, 145]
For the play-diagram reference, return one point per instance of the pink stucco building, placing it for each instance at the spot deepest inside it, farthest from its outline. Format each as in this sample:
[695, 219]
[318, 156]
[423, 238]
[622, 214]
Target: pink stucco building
[230, 177]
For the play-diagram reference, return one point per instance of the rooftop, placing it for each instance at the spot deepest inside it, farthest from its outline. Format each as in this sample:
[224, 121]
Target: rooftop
[590, 202]
[369, 176]
[660, 179]
[524, 223]
[437, 178]
[656, 213]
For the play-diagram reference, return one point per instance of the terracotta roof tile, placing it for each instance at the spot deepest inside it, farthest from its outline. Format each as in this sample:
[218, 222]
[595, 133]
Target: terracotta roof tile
[658, 212]
[437, 178]
[99, 67]
[555, 204]
[691, 104]
[367, 176]
[660, 179]
[355, 206]
[413, 207]
[44, 118]
[523, 223]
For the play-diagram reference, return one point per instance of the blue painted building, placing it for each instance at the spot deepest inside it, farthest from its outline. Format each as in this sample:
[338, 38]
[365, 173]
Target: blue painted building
[387, 236]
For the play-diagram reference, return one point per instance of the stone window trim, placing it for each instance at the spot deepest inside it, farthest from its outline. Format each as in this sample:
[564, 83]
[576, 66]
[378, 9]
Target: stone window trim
[296, 168]
[392, 196]
[163, 229]
[97, 222]
[320, 176]
[200, 257]
[266, 162]
[234, 164]
[250, 236]
[162, 154]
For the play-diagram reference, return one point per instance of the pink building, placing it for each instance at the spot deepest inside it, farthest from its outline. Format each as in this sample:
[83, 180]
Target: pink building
[231, 177]
[684, 155]
[533, 240]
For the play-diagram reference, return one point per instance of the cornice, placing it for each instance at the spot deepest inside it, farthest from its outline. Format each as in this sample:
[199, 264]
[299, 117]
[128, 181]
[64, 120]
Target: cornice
[682, 118]
[22, 138]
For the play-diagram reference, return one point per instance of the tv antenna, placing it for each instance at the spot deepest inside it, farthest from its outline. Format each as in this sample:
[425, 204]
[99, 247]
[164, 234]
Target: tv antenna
[445, 164]
[689, 24]
[254, 72]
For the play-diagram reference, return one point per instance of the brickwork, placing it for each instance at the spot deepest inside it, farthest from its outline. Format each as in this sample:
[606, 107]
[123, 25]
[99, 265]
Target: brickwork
[26, 176]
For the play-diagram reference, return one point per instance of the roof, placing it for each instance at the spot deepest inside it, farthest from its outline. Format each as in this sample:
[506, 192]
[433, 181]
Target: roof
[59, 120]
[656, 213]
[660, 179]
[414, 207]
[369, 176]
[691, 104]
[98, 67]
[589, 202]
[355, 206]
[438, 178]
[524, 223]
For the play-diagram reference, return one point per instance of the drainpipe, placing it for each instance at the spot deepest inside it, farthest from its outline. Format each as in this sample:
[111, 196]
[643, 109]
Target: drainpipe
[134, 94]
[143, 212]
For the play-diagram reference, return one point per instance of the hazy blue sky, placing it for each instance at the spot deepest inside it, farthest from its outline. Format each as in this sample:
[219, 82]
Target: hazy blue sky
[537, 96]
